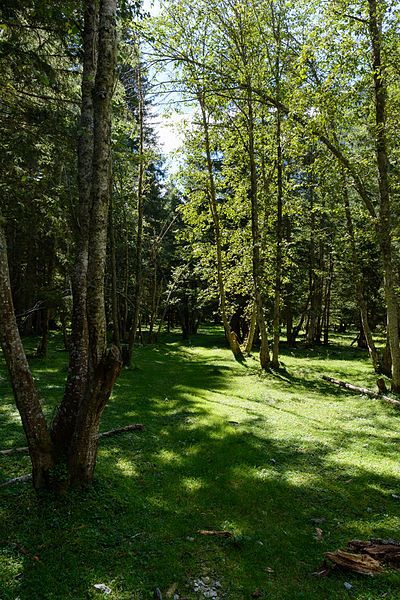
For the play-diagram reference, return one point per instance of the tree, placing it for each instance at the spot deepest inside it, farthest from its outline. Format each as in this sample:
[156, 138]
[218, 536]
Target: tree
[72, 441]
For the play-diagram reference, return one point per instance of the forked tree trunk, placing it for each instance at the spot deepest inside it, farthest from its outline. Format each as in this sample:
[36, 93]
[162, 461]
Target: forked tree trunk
[75, 429]
[104, 365]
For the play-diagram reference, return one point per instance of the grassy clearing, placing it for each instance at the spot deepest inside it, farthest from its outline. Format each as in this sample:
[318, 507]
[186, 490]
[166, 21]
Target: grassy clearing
[225, 447]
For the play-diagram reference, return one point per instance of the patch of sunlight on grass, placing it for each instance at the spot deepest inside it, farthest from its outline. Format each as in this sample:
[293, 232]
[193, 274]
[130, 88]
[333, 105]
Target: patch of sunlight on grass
[169, 456]
[302, 479]
[263, 473]
[127, 467]
[192, 484]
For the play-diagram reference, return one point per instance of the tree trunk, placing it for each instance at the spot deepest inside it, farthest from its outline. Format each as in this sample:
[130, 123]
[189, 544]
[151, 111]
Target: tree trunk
[327, 303]
[252, 329]
[41, 350]
[385, 361]
[279, 235]
[357, 276]
[26, 396]
[104, 365]
[385, 225]
[230, 336]
[139, 234]
[256, 262]
[65, 418]
[114, 297]
[75, 428]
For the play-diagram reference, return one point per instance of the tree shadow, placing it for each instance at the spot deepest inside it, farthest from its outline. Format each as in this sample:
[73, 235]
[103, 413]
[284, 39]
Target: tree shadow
[194, 468]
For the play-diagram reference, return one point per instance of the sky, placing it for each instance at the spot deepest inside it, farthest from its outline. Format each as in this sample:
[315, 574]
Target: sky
[166, 126]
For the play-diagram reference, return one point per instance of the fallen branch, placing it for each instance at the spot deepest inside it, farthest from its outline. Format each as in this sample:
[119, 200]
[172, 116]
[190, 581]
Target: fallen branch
[24, 551]
[22, 450]
[21, 479]
[225, 534]
[133, 427]
[361, 390]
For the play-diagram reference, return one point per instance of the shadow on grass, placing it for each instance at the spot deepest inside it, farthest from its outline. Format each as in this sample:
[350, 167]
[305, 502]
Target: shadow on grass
[193, 469]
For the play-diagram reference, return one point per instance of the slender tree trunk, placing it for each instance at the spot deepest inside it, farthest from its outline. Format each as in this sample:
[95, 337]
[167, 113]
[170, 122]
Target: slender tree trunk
[256, 261]
[312, 316]
[327, 303]
[230, 335]
[26, 396]
[357, 277]
[139, 235]
[385, 225]
[65, 417]
[125, 307]
[289, 287]
[41, 350]
[154, 298]
[252, 329]
[114, 297]
[279, 235]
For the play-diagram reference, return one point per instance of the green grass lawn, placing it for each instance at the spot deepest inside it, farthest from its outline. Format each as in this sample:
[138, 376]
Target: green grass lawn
[225, 447]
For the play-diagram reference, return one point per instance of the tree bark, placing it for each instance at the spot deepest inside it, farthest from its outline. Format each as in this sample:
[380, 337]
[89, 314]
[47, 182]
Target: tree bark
[358, 283]
[385, 225]
[255, 230]
[279, 235]
[25, 393]
[252, 329]
[65, 417]
[103, 365]
[114, 297]
[212, 196]
[41, 350]
[139, 234]
[73, 439]
[361, 390]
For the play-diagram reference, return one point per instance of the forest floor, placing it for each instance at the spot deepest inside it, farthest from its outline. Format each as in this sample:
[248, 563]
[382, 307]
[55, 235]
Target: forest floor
[288, 464]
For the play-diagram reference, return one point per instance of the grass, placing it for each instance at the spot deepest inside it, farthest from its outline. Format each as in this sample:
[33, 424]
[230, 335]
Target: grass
[225, 447]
